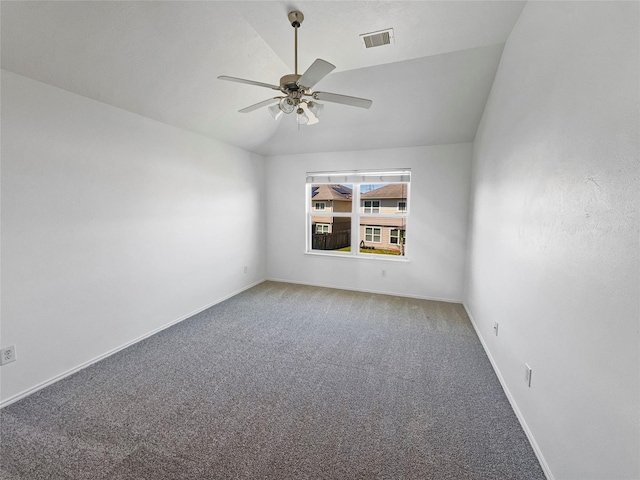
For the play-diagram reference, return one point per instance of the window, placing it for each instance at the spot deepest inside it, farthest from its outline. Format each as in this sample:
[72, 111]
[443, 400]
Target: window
[367, 217]
[371, 206]
[373, 234]
[396, 236]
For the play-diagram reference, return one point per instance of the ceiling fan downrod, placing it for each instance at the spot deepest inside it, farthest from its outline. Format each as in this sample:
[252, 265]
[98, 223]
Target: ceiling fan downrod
[296, 18]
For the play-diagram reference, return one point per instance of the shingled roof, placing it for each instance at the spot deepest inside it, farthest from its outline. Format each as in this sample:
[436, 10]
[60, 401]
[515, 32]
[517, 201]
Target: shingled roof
[393, 190]
[331, 192]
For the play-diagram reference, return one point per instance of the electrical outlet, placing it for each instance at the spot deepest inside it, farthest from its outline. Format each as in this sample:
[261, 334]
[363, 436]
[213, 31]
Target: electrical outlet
[8, 355]
[495, 328]
[527, 374]
[384, 273]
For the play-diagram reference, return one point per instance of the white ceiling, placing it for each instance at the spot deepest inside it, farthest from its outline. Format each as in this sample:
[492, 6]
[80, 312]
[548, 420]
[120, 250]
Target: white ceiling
[161, 60]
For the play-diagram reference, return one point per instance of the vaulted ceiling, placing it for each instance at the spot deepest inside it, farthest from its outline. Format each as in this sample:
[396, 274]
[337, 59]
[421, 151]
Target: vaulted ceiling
[161, 60]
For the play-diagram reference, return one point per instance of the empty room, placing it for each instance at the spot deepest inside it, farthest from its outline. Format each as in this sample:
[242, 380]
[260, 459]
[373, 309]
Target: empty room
[320, 240]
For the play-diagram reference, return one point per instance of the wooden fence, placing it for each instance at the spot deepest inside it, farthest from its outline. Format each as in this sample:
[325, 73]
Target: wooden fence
[331, 241]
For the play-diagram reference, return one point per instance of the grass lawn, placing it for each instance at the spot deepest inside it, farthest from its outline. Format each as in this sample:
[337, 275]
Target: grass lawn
[377, 251]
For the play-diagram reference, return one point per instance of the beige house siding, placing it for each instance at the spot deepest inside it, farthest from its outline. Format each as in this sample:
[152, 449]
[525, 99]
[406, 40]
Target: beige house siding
[336, 224]
[331, 206]
[328, 206]
[342, 207]
[385, 235]
[386, 205]
[316, 219]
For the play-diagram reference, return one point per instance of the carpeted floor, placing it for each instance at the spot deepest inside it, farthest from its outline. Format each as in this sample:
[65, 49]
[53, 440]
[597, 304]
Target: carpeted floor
[280, 382]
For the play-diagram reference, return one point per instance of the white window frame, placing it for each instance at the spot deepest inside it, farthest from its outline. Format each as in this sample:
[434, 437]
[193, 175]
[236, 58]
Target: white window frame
[324, 206]
[322, 225]
[373, 234]
[355, 179]
[397, 237]
[402, 209]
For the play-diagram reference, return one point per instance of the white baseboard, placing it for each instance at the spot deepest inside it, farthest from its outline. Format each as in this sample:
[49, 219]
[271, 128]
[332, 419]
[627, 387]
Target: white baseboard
[514, 405]
[59, 377]
[380, 292]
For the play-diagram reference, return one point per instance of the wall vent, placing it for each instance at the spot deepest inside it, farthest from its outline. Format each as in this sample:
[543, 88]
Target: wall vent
[377, 39]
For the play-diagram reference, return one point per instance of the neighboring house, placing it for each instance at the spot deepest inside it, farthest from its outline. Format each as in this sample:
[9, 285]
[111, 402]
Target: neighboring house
[375, 232]
[384, 232]
[325, 200]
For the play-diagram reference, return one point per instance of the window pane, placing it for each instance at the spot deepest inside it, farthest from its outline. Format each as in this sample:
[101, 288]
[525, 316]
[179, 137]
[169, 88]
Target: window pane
[383, 198]
[331, 198]
[397, 236]
[382, 235]
[380, 215]
[331, 233]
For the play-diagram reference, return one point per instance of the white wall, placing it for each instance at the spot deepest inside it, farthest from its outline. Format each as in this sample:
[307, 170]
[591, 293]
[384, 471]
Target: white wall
[113, 226]
[553, 249]
[436, 232]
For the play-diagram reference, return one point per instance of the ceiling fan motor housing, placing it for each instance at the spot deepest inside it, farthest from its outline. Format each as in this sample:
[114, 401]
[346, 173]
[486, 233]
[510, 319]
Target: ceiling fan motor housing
[295, 18]
[288, 82]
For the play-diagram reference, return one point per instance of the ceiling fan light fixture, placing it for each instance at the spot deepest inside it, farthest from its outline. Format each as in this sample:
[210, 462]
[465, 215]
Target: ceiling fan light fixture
[315, 108]
[303, 119]
[312, 118]
[275, 111]
[286, 105]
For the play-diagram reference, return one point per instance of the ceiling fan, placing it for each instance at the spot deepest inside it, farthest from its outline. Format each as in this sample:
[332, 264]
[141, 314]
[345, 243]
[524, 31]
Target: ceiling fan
[296, 87]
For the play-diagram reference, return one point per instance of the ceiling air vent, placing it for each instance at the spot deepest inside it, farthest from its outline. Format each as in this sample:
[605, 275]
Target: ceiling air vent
[377, 39]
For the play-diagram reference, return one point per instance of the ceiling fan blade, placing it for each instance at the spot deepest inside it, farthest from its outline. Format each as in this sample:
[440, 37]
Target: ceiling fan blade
[343, 99]
[248, 82]
[316, 72]
[270, 101]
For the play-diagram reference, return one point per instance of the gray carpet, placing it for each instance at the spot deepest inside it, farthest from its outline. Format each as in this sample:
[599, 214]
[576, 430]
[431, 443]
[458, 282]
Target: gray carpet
[281, 382]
